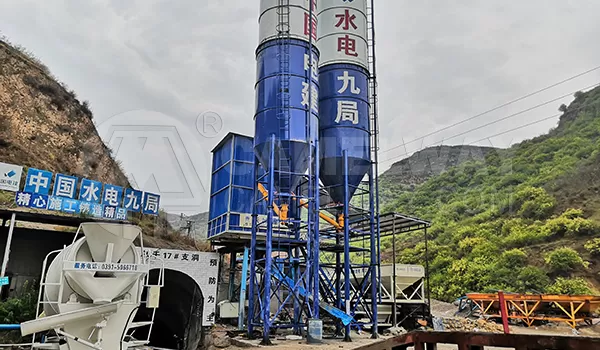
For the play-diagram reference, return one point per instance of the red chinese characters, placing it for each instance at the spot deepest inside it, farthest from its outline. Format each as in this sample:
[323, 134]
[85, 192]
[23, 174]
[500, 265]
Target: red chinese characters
[347, 45]
[307, 26]
[346, 20]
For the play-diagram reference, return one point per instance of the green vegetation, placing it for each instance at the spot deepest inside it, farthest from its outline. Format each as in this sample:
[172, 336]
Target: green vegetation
[564, 259]
[17, 309]
[517, 221]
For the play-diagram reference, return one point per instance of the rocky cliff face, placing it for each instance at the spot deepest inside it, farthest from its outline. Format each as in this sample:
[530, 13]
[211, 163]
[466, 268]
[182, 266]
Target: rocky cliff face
[197, 224]
[43, 125]
[432, 161]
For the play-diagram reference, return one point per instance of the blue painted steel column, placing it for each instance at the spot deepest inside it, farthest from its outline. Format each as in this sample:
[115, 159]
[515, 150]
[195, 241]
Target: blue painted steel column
[316, 242]
[268, 249]
[346, 244]
[374, 262]
[251, 294]
[338, 280]
[243, 289]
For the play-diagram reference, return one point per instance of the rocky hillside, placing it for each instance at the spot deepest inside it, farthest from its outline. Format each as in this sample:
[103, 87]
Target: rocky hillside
[410, 172]
[44, 125]
[522, 219]
[197, 224]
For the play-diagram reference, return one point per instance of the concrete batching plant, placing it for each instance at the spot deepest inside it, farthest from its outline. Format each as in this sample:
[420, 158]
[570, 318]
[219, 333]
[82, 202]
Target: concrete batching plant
[310, 252]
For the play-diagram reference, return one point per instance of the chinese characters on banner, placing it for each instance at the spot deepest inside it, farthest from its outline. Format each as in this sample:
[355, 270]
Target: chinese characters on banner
[343, 32]
[94, 198]
[202, 267]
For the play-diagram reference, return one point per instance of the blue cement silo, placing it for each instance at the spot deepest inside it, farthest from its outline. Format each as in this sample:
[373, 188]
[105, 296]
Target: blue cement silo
[274, 90]
[344, 126]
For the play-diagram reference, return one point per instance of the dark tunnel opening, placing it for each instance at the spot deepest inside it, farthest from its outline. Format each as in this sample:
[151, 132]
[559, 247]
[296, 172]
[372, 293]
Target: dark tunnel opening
[178, 319]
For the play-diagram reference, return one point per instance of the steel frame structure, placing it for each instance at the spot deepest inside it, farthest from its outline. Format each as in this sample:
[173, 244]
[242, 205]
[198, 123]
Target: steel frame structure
[360, 295]
[283, 269]
[529, 308]
[288, 279]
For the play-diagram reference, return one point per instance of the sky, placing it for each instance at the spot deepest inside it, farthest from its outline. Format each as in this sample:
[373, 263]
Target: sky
[166, 80]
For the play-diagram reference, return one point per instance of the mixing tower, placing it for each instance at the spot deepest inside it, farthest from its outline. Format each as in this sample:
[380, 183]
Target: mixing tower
[284, 266]
[348, 139]
[308, 125]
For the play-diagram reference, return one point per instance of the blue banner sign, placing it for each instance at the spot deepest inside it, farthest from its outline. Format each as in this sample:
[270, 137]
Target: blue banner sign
[71, 195]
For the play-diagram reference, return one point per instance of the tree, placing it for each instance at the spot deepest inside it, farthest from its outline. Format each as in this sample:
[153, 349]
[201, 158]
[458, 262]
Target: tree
[563, 108]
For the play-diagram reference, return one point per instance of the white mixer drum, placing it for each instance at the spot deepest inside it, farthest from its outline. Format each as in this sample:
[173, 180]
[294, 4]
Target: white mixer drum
[90, 286]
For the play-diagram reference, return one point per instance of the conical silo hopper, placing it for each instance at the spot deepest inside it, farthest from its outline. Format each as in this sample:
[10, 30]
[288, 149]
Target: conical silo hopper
[344, 126]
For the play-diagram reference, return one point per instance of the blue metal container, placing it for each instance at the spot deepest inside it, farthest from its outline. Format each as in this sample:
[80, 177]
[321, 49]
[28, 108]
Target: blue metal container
[275, 90]
[344, 125]
[231, 190]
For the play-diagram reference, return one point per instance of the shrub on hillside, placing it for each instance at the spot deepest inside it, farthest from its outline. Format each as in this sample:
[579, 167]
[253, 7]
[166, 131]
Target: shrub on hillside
[570, 222]
[532, 279]
[572, 286]
[534, 203]
[572, 213]
[513, 258]
[524, 235]
[564, 259]
[593, 246]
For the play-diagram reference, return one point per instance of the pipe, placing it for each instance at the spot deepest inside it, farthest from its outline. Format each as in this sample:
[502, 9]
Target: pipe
[332, 222]
[7, 327]
[7, 248]
[282, 213]
[346, 246]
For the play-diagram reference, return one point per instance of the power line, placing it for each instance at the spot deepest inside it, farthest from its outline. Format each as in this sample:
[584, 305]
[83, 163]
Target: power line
[532, 123]
[493, 122]
[495, 108]
[517, 128]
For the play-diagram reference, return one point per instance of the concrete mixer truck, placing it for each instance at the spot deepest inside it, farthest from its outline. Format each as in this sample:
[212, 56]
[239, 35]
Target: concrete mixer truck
[91, 290]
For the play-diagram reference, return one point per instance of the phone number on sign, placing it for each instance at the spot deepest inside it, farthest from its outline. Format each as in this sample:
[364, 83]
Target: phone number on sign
[118, 267]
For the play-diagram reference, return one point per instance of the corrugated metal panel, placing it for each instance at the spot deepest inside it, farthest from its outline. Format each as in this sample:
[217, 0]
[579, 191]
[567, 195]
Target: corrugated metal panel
[232, 183]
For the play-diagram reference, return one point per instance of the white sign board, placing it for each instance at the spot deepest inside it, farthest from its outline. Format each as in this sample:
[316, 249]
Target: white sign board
[342, 32]
[202, 267]
[298, 20]
[10, 177]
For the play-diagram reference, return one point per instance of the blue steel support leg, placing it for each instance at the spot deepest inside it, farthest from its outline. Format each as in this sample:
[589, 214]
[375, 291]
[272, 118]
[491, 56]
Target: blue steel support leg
[243, 289]
[251, 291]
[268, 249]
[316, 254]
[295, 273]
[346, 245]
[374, 238]
[338, 280]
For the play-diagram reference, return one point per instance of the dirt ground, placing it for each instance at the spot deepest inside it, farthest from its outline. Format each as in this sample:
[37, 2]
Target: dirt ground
[439, 309]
